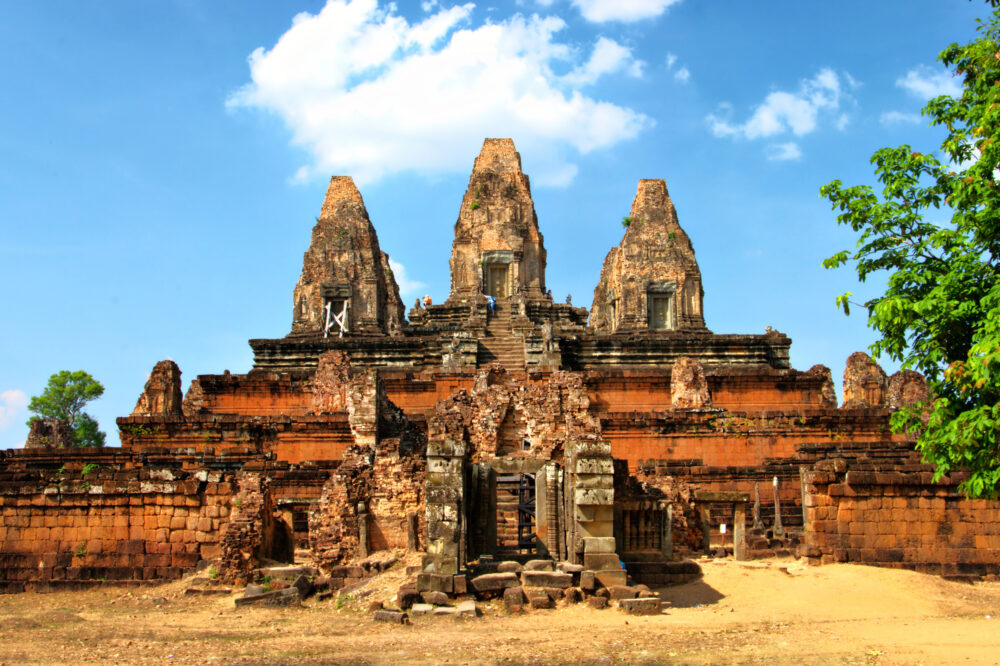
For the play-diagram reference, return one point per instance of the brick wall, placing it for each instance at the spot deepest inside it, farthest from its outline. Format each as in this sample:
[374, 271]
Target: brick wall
[869, 512]
[63, 527]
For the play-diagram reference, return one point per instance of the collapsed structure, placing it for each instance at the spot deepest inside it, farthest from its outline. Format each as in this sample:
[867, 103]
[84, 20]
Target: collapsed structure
[497, 423]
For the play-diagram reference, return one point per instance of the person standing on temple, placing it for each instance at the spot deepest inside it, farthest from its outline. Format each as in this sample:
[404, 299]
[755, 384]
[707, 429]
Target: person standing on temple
[491, 303]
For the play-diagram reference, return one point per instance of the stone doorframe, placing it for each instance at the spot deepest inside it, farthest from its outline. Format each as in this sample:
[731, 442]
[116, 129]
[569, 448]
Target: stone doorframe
[736, 505]
[574, 507]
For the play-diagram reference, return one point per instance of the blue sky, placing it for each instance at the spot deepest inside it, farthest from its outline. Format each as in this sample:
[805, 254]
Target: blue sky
[161, 164]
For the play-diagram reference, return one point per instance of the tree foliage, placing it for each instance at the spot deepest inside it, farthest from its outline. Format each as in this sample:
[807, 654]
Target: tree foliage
[64, 398]
[935, 228]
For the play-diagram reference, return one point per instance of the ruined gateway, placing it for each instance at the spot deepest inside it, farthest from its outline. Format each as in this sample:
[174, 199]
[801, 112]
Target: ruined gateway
[626, 434]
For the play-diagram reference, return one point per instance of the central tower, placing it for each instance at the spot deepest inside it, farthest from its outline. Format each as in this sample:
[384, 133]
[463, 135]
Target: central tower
[498, 249]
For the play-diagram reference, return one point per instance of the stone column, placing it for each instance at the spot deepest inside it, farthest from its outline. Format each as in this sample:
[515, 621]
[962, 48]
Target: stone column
[594, 497]
[739, 531]
[445, 507]
[667, 530]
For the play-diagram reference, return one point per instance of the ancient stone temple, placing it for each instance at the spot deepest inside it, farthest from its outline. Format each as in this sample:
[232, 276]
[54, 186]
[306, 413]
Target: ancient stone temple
[495, 425]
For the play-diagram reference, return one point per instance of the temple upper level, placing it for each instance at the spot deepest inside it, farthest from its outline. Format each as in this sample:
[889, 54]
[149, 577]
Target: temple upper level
[498, 249]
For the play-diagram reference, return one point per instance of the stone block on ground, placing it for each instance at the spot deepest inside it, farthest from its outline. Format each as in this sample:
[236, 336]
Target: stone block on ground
[538, 599]
[375, 606]
[253, 590]
[494, 583]
[407, 596]
[513, 596]
[573, 595]
[394, 617]
[435, 598]
[421, 609]
[303, 585]
[641, 606]
[467, 608]
[539, 565]
[622, 592]
[445, 610]
[283, 597]
[288, 573]
[546, 579]
[587, 580]
[611, 578]
[459, 584]
[569, 567]
[510, 567]
[597, 602]
[431, 582]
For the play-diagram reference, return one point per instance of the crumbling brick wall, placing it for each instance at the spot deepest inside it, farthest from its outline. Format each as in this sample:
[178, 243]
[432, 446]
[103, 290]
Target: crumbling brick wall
[898, 517]
[81, 524]
[252, 532]
[501, 413]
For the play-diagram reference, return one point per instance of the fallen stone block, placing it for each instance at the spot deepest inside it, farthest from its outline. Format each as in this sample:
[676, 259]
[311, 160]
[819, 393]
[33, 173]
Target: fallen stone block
[573, 595]
[375, 606]
[421, 609]
[467, 608]
[431, 582]
[641, 606]
[539, 599]
[435, 598]
[611, 578]
[283, 597]
[622, 592]
[304, 586]
[569, 567]
[494, 583]
[513, 596]
[598, 602]
[510, 567]
[534, 578]
[288, 573]
[395, 617]
[539, 565]
[207, 591]
[459, 584]
[445, 610]
[587, 581]
[407, 596]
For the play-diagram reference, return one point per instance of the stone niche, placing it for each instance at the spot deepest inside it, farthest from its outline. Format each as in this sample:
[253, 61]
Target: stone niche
[651, 281]
[497, 249]
[344, 271]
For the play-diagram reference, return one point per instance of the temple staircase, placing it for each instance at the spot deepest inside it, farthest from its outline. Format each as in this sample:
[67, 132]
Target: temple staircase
[500, 344]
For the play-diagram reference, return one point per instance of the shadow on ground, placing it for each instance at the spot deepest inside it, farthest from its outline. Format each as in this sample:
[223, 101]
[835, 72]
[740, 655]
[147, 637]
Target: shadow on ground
[689, 595]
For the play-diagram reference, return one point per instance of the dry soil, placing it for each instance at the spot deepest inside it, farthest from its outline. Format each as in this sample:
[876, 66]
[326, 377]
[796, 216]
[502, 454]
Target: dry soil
[760, 612]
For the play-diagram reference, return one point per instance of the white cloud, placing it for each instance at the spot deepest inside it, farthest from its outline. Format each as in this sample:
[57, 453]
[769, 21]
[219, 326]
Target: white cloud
[781, 152]
[407, 287]
[682, 75]
[367, 94]
[784, 112]
[11, 403]
[627, 11]
[899, 118]
[607, 57]
[671, 59]
[428, 5]
[929, 82]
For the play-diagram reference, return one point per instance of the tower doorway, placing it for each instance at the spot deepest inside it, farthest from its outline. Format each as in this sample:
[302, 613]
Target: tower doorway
[496, 276]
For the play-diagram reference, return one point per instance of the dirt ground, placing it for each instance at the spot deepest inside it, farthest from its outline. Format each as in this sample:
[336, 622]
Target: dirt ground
[757, 612]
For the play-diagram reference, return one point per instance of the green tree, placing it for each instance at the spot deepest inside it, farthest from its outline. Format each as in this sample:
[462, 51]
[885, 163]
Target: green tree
[64, 398]
[940, 313]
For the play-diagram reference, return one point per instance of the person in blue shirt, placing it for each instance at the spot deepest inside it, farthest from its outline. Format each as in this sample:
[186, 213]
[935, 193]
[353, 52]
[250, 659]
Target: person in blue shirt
[490, 302]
